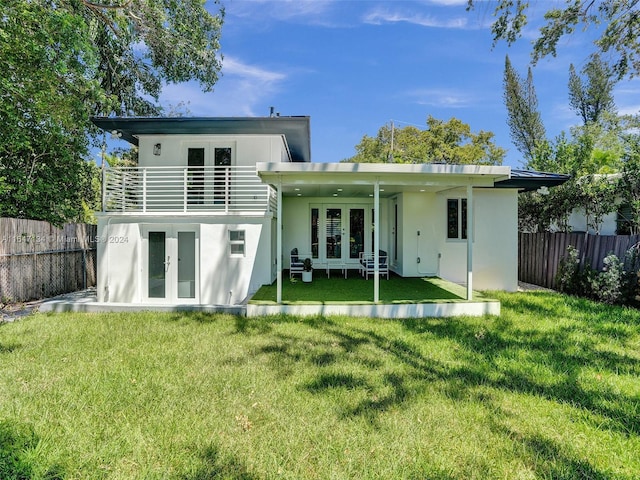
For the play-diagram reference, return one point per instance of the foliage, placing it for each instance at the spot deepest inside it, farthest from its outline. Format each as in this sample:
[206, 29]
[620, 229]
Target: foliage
[62, 61]
[539, 213]
[568, 279]
[525, 122]
[450, 142]
[307, 265]
[593, 96]
[597, 195]
[618, 20]
[630, 186]
[616, 284]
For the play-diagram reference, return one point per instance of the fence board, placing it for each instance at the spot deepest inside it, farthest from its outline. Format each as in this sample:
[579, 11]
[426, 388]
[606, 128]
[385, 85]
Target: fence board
[540, 254]
[38, 260]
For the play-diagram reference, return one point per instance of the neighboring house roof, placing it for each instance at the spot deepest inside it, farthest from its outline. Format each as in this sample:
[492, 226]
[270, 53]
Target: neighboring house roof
[528, 180]
[295, 129]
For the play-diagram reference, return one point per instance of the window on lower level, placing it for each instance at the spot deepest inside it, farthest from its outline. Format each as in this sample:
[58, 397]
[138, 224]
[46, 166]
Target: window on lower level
[236, 242]
[457, 218]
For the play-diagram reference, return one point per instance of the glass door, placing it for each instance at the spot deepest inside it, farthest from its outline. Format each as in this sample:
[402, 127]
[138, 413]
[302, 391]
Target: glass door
[170, 269]
[333, 230]
[157, 264]
[344, 236]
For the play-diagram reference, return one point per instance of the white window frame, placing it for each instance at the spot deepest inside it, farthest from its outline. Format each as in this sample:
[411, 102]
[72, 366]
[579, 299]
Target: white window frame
[234, 242]
[459, 238]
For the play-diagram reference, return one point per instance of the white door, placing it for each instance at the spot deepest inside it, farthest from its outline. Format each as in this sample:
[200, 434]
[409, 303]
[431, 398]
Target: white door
[171, 264]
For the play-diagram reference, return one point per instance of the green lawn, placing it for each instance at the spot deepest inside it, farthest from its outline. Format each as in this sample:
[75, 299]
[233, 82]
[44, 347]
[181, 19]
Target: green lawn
[548, 390]
[356, 289]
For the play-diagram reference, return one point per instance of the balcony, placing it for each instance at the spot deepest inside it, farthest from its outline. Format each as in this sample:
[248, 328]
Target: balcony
[211, 190]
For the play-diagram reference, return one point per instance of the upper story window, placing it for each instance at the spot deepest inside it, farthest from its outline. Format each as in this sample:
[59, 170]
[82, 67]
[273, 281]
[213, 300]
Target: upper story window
[457, 218]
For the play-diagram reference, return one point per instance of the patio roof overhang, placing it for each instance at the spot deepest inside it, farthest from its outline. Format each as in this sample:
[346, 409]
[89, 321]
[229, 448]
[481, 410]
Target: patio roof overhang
[357, 179]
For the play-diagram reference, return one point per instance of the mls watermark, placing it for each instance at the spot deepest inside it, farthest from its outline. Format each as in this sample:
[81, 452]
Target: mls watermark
[35, 239]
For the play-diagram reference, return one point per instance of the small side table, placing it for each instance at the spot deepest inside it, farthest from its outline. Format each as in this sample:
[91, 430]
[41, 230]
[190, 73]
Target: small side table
[336, 264]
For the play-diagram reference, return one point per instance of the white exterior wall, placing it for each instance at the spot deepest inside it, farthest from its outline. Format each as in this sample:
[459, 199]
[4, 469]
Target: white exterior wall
[495, 248]
[578, 223]
[224, 279]
[296, 224]
[418, 212]
[247, 150]
[119, 251]
[228, 279]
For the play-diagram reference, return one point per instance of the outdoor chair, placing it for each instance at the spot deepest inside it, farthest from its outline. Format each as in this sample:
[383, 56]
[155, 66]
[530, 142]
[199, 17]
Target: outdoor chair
[368, 264]
[296, 265]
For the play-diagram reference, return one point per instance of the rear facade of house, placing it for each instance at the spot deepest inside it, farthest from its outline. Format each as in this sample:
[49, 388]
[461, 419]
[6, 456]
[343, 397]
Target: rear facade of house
[196, 221]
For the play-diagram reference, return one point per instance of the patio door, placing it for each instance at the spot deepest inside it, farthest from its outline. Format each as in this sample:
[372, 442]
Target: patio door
[171, 264]
[344, 228]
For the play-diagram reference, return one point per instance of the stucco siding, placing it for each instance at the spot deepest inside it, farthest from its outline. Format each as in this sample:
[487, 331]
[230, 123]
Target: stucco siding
[495, 247]
[223, 278]
[247, 150]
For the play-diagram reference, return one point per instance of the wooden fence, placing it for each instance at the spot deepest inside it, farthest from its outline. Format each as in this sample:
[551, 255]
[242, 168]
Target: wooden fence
[38, 260]
[540, 253]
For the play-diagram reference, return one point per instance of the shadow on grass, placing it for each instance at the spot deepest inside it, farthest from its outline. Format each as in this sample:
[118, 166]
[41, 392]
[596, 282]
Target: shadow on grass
[548, 460]
[493, 352]
[16, 443]
[216, 465]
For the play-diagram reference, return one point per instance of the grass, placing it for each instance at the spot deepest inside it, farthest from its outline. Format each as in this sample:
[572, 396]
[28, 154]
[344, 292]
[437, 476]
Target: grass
[356, 289]
[548, 390]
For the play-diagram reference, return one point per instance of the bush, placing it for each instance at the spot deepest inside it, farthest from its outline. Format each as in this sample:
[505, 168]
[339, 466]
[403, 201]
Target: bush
[609, 282]
[568, 277]
[617, 283]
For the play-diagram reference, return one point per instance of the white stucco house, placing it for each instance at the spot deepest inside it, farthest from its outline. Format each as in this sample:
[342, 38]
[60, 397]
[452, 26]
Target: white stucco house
[215, 206]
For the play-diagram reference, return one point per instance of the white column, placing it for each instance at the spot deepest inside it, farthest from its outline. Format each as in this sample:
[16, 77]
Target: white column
[469, 242]
[279, 244]
[376, 242]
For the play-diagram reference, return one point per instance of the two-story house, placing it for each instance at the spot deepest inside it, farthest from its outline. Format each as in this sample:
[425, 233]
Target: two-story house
[215, 206]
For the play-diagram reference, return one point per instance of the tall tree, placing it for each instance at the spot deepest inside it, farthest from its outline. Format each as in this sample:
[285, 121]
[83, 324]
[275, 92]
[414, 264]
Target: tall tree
[525, 122]
[618, 20]
[64, 60]
[450, 141]
[593, 96]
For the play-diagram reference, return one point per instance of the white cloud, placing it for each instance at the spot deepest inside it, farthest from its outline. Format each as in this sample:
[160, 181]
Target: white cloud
[380, 16]
[240, 91]
[441, 97]
[312, 12]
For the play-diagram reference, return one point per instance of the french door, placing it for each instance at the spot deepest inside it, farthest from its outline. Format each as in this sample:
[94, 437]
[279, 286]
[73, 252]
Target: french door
[171, 264]
[343, 234]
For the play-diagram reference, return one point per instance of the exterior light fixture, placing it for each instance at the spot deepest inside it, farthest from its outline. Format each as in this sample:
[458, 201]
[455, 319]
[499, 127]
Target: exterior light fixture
[157, 149]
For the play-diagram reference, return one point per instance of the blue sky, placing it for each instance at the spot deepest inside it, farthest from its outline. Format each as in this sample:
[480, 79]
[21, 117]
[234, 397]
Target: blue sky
[353, 66]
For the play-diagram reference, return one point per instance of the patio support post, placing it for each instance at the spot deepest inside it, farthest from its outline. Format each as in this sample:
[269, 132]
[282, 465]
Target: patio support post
[469, 242]
[376, 241]
[279, 244]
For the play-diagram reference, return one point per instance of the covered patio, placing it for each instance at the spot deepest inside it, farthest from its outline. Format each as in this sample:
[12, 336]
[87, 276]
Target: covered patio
[377, 182]
[398, 298]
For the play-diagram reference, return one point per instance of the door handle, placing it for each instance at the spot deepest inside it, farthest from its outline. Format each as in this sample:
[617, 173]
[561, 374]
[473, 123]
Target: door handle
[167, 263]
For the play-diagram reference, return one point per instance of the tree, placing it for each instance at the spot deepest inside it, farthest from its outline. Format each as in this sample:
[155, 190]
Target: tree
[441, 142]
[525, 122]
[62, 61]
[593, 96]
[619, 37]
[629, 186]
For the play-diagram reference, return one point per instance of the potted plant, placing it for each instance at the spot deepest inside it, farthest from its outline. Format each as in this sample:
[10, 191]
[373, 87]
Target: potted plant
[307, 270]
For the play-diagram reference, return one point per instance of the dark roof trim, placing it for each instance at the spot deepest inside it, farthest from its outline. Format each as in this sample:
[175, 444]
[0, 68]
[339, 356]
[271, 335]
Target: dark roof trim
[528, 180]
[296, 130]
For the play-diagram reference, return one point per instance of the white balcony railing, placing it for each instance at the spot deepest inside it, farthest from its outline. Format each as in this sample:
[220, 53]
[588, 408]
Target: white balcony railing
[185, 189]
